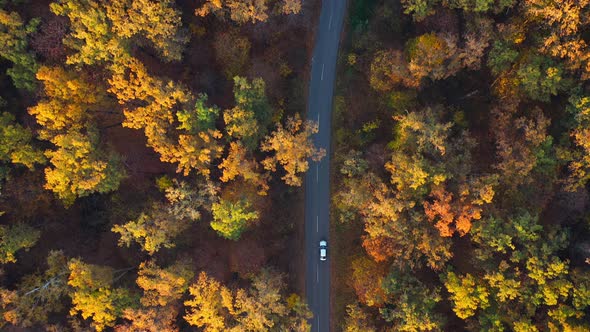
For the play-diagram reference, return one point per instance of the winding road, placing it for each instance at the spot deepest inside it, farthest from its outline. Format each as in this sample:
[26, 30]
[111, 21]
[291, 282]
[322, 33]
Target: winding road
[317, 179]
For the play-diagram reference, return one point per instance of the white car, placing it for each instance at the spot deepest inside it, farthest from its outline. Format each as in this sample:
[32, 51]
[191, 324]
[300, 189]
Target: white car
[323, 250]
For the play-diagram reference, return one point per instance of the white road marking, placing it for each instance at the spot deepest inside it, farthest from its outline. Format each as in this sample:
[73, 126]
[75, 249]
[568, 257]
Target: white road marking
[322, 78]
[317, 276]
[318, 323]
[318, 121]
[317, 173]
[317, 223]
[330, 23]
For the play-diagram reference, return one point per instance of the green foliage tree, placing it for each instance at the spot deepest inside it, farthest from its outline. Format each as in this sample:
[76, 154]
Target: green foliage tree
[354, 165]
[481, 6]
[15, 143]
[540, 78]
[502, 56]
[13, 47]
[249, 119]
[200, 118]
[231, 219]
[419, 9]
[14, 238]
[413, 305]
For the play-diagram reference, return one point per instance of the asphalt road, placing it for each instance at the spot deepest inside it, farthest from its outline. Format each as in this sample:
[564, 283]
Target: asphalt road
[317, 179]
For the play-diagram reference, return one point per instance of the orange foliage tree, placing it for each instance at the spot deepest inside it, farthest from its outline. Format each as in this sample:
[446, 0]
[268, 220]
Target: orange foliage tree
[566, 20]
[367, 280]
[401, 222]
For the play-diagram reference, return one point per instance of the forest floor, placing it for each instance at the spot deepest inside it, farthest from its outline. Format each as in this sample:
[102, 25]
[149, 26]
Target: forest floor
[345, 238]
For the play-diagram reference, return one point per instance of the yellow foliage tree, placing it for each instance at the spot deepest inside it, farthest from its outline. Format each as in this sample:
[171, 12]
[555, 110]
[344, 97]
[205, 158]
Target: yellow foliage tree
[160, 101]
[237, 164]
[101, 30]
[207, 304]
[93, 295]
[292, 147]
[240, 123]
[163, 286]
[69, 102]
[194, 151]
[566, 20]
[158, 21]
[216, 308]
[151, 319]
[79, 168]
[244, 11]
[163, 222]
[152, 231]
[91, 34]
[467, 295]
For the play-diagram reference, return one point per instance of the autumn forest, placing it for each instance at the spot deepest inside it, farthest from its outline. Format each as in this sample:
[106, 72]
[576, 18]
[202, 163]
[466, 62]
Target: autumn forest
[153, 157]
